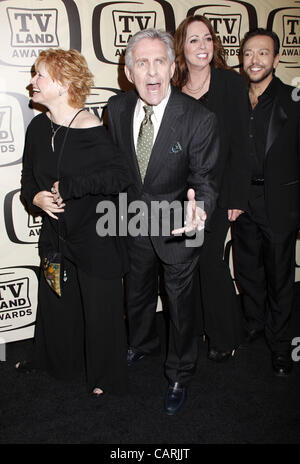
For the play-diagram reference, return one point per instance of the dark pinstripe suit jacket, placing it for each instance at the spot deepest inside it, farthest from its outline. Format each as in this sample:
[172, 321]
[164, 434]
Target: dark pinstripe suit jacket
[184, 155]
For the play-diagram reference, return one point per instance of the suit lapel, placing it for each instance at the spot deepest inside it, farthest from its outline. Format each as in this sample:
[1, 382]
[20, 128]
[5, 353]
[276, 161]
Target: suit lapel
[126, 122]
[277, 120]
[169, 128]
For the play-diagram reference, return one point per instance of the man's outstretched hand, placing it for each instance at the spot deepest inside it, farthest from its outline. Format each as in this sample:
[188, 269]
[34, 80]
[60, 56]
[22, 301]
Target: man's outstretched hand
[195, 216]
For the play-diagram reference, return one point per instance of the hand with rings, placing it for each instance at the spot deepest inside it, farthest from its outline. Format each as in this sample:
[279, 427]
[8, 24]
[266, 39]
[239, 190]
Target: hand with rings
[56, 195]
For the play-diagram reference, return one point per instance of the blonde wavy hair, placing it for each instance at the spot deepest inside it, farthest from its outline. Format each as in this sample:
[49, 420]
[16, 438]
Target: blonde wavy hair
[68, 67]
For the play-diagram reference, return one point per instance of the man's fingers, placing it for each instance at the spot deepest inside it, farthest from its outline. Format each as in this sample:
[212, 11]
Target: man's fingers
[178, 231]
[191, 194]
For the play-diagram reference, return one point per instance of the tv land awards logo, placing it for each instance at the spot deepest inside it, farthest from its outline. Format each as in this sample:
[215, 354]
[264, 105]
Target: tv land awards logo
[33, 28]
[287, 25]
[291, 36]
[127, 23]
[20, 226]
[25, 32]
[291, 31]
[97, 101]
[6, 134]
[126, 18]
[18, 297]
[231, 20]
[228, 29]
[8, 144]
[15, 115]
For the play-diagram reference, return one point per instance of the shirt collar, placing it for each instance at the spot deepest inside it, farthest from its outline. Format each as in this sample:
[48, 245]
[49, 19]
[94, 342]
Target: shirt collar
[269, 91]
[158, 110]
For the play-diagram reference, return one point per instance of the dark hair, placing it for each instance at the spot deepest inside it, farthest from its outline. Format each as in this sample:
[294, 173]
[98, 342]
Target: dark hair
[261, 31]
[219, 57]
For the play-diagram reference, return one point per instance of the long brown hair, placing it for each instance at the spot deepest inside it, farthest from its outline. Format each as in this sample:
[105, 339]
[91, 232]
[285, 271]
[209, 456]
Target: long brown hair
[219, 57]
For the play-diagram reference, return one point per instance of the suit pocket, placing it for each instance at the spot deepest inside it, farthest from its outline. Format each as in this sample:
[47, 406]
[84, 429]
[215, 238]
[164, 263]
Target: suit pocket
[175, 149]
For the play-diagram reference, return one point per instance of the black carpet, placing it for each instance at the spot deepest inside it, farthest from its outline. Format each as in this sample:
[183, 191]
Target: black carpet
[240, 401]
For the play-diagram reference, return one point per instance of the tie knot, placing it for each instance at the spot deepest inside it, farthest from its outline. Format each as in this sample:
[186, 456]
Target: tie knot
[148, 110]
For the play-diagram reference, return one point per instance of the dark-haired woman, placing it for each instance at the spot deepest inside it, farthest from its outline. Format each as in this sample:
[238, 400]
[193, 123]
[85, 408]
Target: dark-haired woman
[202, 72]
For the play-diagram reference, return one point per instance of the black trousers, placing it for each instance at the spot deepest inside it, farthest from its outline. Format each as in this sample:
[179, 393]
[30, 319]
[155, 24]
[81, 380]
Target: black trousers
[141, 286]
[265, 272]
[221, 312]
[83, 332]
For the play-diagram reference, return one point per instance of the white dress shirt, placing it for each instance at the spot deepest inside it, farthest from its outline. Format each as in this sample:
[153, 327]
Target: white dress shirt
[156, 118]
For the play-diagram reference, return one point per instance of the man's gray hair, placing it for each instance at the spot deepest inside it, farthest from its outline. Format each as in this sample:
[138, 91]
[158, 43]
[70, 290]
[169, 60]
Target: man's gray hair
[165, 37]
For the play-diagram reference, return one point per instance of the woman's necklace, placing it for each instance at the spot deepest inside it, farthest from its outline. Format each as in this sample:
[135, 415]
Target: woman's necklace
[201, 86]
[54, 132]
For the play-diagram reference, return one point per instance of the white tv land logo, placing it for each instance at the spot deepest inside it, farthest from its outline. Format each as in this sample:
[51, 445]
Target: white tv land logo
[2, 349]
[18, 298]
[296, 350]
[15, 116]
[291, 31]
[6, 135]
[34, 223]
[230, 21]
[287, 26]
[33, 28]
[126, 19]
[97, 101]
[20, 226]
[127, 23]
[227, 27]
[14, 294]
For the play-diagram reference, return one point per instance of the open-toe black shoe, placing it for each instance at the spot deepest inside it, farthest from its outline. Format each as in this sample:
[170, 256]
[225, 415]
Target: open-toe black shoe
[97, 394]
[25, 367]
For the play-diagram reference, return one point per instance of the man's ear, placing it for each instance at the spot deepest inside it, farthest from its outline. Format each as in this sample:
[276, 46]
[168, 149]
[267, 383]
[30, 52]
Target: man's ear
[172, 69]
[128, 74]
[276, 61]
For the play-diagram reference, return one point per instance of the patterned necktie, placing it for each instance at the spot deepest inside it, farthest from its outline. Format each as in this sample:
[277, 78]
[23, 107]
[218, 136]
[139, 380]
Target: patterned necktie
[145, 141]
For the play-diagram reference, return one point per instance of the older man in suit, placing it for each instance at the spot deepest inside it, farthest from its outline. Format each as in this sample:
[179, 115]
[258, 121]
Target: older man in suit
[172, 145]
[265, 235]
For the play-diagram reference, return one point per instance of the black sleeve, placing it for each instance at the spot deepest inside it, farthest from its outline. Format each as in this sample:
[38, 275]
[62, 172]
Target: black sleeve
[111, 175]
[239, 162]
[29, 186]
[203, 155]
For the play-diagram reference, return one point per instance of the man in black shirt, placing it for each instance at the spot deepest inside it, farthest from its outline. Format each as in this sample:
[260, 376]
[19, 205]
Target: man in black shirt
[265, 235]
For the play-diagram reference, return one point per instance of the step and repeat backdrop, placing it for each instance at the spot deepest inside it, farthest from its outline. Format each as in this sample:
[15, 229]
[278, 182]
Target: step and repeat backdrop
[99, 30]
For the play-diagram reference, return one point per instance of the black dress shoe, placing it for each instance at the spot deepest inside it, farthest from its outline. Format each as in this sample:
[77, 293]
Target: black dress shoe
[175, 398]
[218, 355]
[253, 334]
[133, 356]
[282, 363]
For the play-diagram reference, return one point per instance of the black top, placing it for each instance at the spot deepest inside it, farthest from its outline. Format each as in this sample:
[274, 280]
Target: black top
[91, 170]
[227, 97]
[258, 129]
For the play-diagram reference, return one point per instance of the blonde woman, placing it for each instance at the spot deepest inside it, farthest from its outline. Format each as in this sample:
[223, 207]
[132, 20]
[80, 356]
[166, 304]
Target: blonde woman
[79, 331]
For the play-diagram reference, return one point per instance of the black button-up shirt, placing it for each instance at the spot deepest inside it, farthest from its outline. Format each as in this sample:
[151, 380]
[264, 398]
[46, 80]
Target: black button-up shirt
[258, 129]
